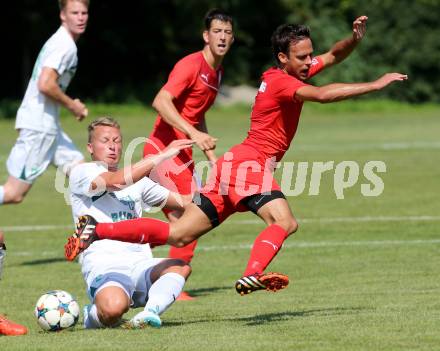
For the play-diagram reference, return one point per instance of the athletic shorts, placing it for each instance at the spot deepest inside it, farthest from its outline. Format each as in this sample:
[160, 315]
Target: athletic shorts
[34, 151]
[128, 270]
[175, 174]
[241, 172]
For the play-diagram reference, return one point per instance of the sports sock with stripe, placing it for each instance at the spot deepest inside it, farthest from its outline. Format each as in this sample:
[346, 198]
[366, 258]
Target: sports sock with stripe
[164, 291]
[266, 246]
[139, 231]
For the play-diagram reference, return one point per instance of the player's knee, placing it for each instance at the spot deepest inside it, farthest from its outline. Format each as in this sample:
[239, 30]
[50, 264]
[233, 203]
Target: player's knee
[179, 266]
[12, 195]
[290, 225]
[184, 269]
[293, 226]
[14, 198]
[178, 238]
[181, 242]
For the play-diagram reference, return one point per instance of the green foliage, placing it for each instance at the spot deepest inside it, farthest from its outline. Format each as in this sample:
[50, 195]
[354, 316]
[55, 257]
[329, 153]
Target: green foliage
[128, 50]
[8, 109]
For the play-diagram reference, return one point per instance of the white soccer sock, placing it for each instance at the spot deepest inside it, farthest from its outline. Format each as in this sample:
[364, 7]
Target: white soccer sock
[2, 194]
[2, 257]
[91, 320]
[164, 292]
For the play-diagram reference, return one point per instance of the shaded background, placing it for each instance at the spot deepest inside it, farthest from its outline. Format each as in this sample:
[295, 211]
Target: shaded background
[130, 47]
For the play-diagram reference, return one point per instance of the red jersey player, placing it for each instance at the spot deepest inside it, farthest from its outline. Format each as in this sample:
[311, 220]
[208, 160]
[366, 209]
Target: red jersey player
[182, 102]
[243, 178]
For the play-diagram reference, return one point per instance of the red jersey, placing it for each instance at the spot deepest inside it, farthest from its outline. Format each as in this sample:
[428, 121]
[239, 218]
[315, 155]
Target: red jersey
[276, 112]
[194, 84]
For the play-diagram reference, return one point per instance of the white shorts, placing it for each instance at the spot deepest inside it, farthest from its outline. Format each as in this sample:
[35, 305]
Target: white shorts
[129, 271]
[34, 151]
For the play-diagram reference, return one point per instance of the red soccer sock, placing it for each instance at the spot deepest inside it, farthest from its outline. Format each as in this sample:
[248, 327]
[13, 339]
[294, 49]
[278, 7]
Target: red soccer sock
[139, 231]
[185, 253]
[265, 248]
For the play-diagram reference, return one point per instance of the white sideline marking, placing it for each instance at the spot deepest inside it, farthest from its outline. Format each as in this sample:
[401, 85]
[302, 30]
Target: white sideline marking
[311, 244]
[35, 228]
[348, 219]
[292, 245]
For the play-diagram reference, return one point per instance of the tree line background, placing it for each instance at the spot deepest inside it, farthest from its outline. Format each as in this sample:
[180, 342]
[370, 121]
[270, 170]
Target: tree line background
[130, 47]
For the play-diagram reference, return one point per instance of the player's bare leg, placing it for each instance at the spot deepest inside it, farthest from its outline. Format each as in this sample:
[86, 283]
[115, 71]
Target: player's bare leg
[168, 278]
[281, 223]
[278, 212]
[190, 226]
[14, 191]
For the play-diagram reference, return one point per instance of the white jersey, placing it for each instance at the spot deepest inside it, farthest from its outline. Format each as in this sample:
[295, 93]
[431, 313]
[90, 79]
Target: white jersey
[106, 206]
[37, 111]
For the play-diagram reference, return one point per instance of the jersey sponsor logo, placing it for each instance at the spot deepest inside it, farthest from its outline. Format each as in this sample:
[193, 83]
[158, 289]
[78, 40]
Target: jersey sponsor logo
[263, 87]
[315, 61]
[128, 201]
[205, 80]
[121, 216]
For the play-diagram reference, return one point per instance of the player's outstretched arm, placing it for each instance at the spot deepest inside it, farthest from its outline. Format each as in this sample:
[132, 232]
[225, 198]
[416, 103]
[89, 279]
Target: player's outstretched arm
[131, 174]
[209, 153]
[48, 85]
[164, 105]
[341, 91]
[343, 48]
[175, 201]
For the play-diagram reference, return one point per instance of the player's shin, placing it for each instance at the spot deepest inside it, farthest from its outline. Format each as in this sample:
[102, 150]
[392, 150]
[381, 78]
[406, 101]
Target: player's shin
[164, 292]
[266, 246]
[161, 295]
[139, 230]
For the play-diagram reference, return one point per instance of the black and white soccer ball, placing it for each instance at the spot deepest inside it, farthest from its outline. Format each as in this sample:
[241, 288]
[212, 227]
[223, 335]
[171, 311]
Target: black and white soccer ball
[56, 310]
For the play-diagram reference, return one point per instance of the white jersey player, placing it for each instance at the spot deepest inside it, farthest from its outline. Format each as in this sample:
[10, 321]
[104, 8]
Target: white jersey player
[120, 275]
[41, 140]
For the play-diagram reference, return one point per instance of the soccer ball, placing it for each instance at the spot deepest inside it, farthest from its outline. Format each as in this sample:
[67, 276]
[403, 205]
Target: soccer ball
[56, 310]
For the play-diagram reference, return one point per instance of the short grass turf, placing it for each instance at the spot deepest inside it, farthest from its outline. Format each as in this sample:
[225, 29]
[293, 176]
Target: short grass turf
[364, 270]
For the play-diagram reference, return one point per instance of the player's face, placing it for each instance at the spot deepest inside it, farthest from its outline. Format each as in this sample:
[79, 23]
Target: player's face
[74, 17]
[219, 37]
[106, 145]
[299, 60]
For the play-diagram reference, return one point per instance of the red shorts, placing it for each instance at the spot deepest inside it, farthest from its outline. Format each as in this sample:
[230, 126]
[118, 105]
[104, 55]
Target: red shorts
[241, 172]
[175, 174]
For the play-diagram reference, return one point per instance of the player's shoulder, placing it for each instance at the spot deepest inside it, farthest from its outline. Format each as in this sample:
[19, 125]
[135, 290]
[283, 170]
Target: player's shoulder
[276, 77]
[61, 40]
[87, 168]
[192, 60]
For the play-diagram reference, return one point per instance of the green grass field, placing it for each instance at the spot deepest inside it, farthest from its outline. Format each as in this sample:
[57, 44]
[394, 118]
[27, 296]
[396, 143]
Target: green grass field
[364, 270]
